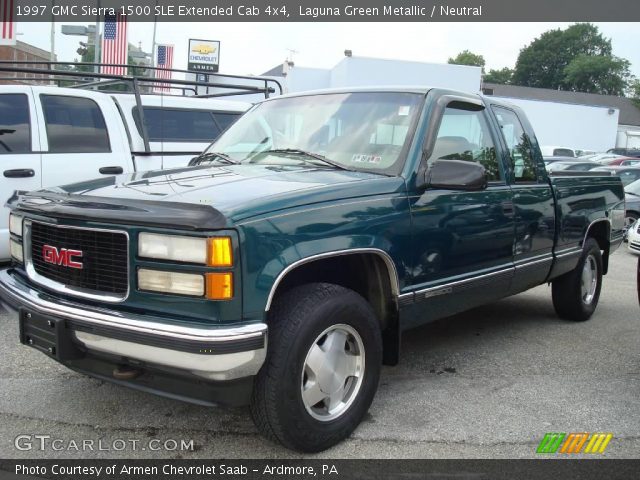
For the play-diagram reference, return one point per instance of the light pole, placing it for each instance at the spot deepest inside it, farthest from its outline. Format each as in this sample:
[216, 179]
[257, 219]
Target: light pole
[82, 31]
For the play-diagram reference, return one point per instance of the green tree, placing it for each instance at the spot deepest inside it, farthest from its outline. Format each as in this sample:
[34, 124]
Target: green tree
[467, 58]
[503, 76]
[546, 61]
[634, 92]
[88, 57]
[607, 75]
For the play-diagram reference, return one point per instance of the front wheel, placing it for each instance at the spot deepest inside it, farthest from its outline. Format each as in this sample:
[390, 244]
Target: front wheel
[322, 369]
[576, 293]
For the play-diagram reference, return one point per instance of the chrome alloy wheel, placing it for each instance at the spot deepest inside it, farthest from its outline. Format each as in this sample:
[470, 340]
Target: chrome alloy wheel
[589, 281]
[333, 372]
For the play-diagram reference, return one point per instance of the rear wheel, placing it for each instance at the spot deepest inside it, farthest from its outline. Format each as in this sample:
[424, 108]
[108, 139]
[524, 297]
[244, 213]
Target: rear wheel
[576, 293]
[322, 369]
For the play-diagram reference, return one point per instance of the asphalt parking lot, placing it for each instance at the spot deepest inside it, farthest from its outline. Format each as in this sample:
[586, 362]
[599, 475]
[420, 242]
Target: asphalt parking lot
[487, 383]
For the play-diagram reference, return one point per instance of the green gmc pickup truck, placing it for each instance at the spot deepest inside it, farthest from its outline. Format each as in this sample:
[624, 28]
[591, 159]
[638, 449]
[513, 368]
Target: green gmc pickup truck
[281, 269]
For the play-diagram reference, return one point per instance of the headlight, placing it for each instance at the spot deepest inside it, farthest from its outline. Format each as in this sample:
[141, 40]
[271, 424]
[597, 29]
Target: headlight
[191, 284]
[15, 224]
[16, 250]
[215, 252]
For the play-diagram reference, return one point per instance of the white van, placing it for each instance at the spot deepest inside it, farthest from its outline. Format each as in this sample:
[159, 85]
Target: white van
[554, 151]
[51, 136]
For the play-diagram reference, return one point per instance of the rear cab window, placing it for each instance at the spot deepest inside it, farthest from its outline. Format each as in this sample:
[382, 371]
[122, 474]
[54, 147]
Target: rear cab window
[182, 125]
[523, 163]
[15, 127]
[74, 125]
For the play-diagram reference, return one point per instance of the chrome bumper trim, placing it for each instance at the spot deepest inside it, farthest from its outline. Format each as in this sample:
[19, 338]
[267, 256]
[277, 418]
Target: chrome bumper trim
[207, 363]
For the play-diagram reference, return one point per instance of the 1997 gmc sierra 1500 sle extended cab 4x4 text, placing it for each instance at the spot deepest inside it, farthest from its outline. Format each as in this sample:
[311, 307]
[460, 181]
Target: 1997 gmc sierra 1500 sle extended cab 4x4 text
[281, 269]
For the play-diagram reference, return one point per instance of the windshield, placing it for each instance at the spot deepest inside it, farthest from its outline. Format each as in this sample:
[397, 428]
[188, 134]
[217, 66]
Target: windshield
[633, 188]
[356, 131]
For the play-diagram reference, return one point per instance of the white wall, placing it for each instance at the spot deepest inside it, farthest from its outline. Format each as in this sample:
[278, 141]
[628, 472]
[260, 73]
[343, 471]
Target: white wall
[574, 126]
[301, 79]
[365, 72]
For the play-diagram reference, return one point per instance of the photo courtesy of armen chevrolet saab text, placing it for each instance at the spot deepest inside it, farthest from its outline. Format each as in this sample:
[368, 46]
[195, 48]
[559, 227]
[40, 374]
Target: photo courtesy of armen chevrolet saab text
[281, 268]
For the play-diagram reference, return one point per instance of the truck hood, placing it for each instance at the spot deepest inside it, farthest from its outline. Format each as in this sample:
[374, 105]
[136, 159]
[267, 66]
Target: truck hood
[203, 197]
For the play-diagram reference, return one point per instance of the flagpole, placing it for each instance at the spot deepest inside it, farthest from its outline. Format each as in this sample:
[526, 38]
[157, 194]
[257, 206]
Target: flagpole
[53, 36]
[96, 43]
[153, 41]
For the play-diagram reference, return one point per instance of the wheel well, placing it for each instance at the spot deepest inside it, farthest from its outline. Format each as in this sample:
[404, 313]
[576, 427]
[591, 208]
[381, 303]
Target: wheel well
[365, 273]
[599, 231]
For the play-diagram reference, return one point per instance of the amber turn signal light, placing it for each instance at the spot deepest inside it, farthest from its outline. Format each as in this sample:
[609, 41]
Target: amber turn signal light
[219, 286]
[219, 252]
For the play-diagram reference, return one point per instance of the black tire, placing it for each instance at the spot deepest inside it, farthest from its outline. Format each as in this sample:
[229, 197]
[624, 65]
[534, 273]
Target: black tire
[568, 299]
[296, 321]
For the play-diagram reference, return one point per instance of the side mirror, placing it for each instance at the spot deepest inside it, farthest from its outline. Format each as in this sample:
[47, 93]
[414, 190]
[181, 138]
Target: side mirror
[456, 175]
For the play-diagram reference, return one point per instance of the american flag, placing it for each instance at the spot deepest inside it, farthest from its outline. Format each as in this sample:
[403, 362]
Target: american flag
[8, 25]
[164, 59]
[114, 44]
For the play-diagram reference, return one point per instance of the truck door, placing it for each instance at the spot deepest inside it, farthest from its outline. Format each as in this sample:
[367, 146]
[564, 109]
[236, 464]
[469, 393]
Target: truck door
[82, 138]
[462, 239]
[19, 153]
[532, 199]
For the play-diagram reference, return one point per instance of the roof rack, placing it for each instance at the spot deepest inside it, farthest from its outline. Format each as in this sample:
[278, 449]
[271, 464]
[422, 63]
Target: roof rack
[67, 74]
[89, 79]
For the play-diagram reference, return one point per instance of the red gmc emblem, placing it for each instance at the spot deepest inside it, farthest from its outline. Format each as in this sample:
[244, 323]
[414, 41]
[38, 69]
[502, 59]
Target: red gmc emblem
[63, 256]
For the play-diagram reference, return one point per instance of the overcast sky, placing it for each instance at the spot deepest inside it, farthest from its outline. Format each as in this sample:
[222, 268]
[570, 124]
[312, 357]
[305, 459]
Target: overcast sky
[253, 48]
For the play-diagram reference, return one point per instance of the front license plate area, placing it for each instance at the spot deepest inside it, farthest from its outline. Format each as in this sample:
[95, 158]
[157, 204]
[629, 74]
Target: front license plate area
[47, 334]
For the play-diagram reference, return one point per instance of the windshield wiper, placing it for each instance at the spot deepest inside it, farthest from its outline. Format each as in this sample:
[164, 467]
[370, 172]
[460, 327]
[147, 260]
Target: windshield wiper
[631, 193]
[315, 156]
[213, 155]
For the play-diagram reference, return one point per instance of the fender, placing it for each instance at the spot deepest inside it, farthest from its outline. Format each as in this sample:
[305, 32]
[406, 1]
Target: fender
[386, 258]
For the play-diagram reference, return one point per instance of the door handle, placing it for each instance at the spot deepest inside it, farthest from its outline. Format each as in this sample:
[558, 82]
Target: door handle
[508, 209]
[111, 170]
[19, 173]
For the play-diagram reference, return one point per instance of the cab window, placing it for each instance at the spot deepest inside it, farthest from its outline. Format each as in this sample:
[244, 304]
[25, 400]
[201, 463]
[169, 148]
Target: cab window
[74, 125]
[464, 135]
[15, 131]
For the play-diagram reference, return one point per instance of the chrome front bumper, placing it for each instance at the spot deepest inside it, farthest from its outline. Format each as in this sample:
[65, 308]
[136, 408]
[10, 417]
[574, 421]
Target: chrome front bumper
[215, 353]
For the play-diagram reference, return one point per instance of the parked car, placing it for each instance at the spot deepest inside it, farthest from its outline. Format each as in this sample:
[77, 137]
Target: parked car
[571, 166]
[584, 153]
[51, 135]
[632, 202]
[550, 160]
[623, 162]
[551, 151]
[627, 174]
[282, 270]
[628, 152]
[633, 238]
[601, 157]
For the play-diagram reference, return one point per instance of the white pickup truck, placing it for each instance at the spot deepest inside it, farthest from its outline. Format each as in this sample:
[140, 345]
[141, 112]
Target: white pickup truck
[51, 136]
